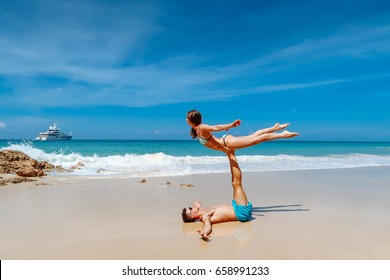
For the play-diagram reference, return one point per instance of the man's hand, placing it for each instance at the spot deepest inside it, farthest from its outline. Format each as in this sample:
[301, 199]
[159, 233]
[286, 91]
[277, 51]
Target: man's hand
[205, 232]
[204, 236]
[196, 203]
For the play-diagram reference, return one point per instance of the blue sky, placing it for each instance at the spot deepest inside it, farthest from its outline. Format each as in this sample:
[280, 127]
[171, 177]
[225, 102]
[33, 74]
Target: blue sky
[132, 69]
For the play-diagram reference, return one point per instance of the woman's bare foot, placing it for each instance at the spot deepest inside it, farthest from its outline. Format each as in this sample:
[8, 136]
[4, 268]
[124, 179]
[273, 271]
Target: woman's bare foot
[288, 134]
[279, 126]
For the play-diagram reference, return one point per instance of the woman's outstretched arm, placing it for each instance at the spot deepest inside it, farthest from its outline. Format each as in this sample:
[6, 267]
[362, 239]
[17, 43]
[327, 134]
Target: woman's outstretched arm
[219, 127]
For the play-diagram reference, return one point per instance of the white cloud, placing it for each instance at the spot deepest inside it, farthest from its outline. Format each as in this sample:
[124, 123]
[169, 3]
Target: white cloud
[96, 54]
[63, 38]
[2, 125]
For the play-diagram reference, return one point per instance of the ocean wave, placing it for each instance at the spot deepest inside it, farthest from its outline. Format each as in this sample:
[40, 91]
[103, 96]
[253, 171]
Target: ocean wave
[160, 164]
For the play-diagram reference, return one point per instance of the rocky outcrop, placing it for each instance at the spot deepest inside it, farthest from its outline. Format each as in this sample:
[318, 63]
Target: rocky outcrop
[15, 162]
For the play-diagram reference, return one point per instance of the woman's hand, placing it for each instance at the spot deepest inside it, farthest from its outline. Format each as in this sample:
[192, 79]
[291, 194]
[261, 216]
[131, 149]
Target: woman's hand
[234, 124]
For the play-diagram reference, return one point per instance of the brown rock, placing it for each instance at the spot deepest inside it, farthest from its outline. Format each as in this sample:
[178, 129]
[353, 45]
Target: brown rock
[77, 166]
[16, 180]
[12, 179]
[15, 162]
[27, 172]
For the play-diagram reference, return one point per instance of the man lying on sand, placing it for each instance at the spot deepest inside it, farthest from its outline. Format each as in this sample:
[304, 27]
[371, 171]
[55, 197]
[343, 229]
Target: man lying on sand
[239, 210]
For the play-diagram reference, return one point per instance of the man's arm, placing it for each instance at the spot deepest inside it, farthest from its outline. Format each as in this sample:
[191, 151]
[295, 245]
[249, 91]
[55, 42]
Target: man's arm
[207, 228]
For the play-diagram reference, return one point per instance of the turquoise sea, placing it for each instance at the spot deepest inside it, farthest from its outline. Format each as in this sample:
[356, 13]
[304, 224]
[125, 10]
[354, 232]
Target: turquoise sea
[151, 158]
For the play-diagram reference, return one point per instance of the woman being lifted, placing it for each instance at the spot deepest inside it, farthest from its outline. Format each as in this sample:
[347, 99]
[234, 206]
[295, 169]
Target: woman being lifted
[228, 142]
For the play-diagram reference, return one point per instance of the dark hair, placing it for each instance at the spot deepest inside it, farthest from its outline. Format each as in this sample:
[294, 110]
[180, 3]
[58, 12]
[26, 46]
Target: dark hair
[185, 217]
[194, 117]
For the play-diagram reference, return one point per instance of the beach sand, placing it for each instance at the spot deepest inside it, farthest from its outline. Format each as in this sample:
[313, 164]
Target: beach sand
[340, 214]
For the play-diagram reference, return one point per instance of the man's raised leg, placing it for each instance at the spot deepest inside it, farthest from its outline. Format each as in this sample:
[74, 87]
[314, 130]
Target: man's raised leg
[239, 194]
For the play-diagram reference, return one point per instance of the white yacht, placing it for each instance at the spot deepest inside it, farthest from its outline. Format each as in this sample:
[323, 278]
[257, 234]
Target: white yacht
[53, 134]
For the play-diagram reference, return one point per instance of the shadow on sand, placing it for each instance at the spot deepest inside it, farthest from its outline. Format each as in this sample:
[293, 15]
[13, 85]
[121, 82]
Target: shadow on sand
[256, 211]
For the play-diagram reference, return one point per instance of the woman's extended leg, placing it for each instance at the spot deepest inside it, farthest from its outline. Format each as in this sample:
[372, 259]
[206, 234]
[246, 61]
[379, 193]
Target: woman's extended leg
[276, 127]
[233, 142]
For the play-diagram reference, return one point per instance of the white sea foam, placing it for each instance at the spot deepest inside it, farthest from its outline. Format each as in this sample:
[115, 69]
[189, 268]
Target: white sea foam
[160, 164]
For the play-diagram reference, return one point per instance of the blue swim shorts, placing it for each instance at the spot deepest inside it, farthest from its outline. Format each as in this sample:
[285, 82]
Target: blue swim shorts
[243, 212]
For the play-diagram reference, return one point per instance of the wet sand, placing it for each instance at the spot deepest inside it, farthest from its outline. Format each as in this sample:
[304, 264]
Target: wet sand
[340, 214]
